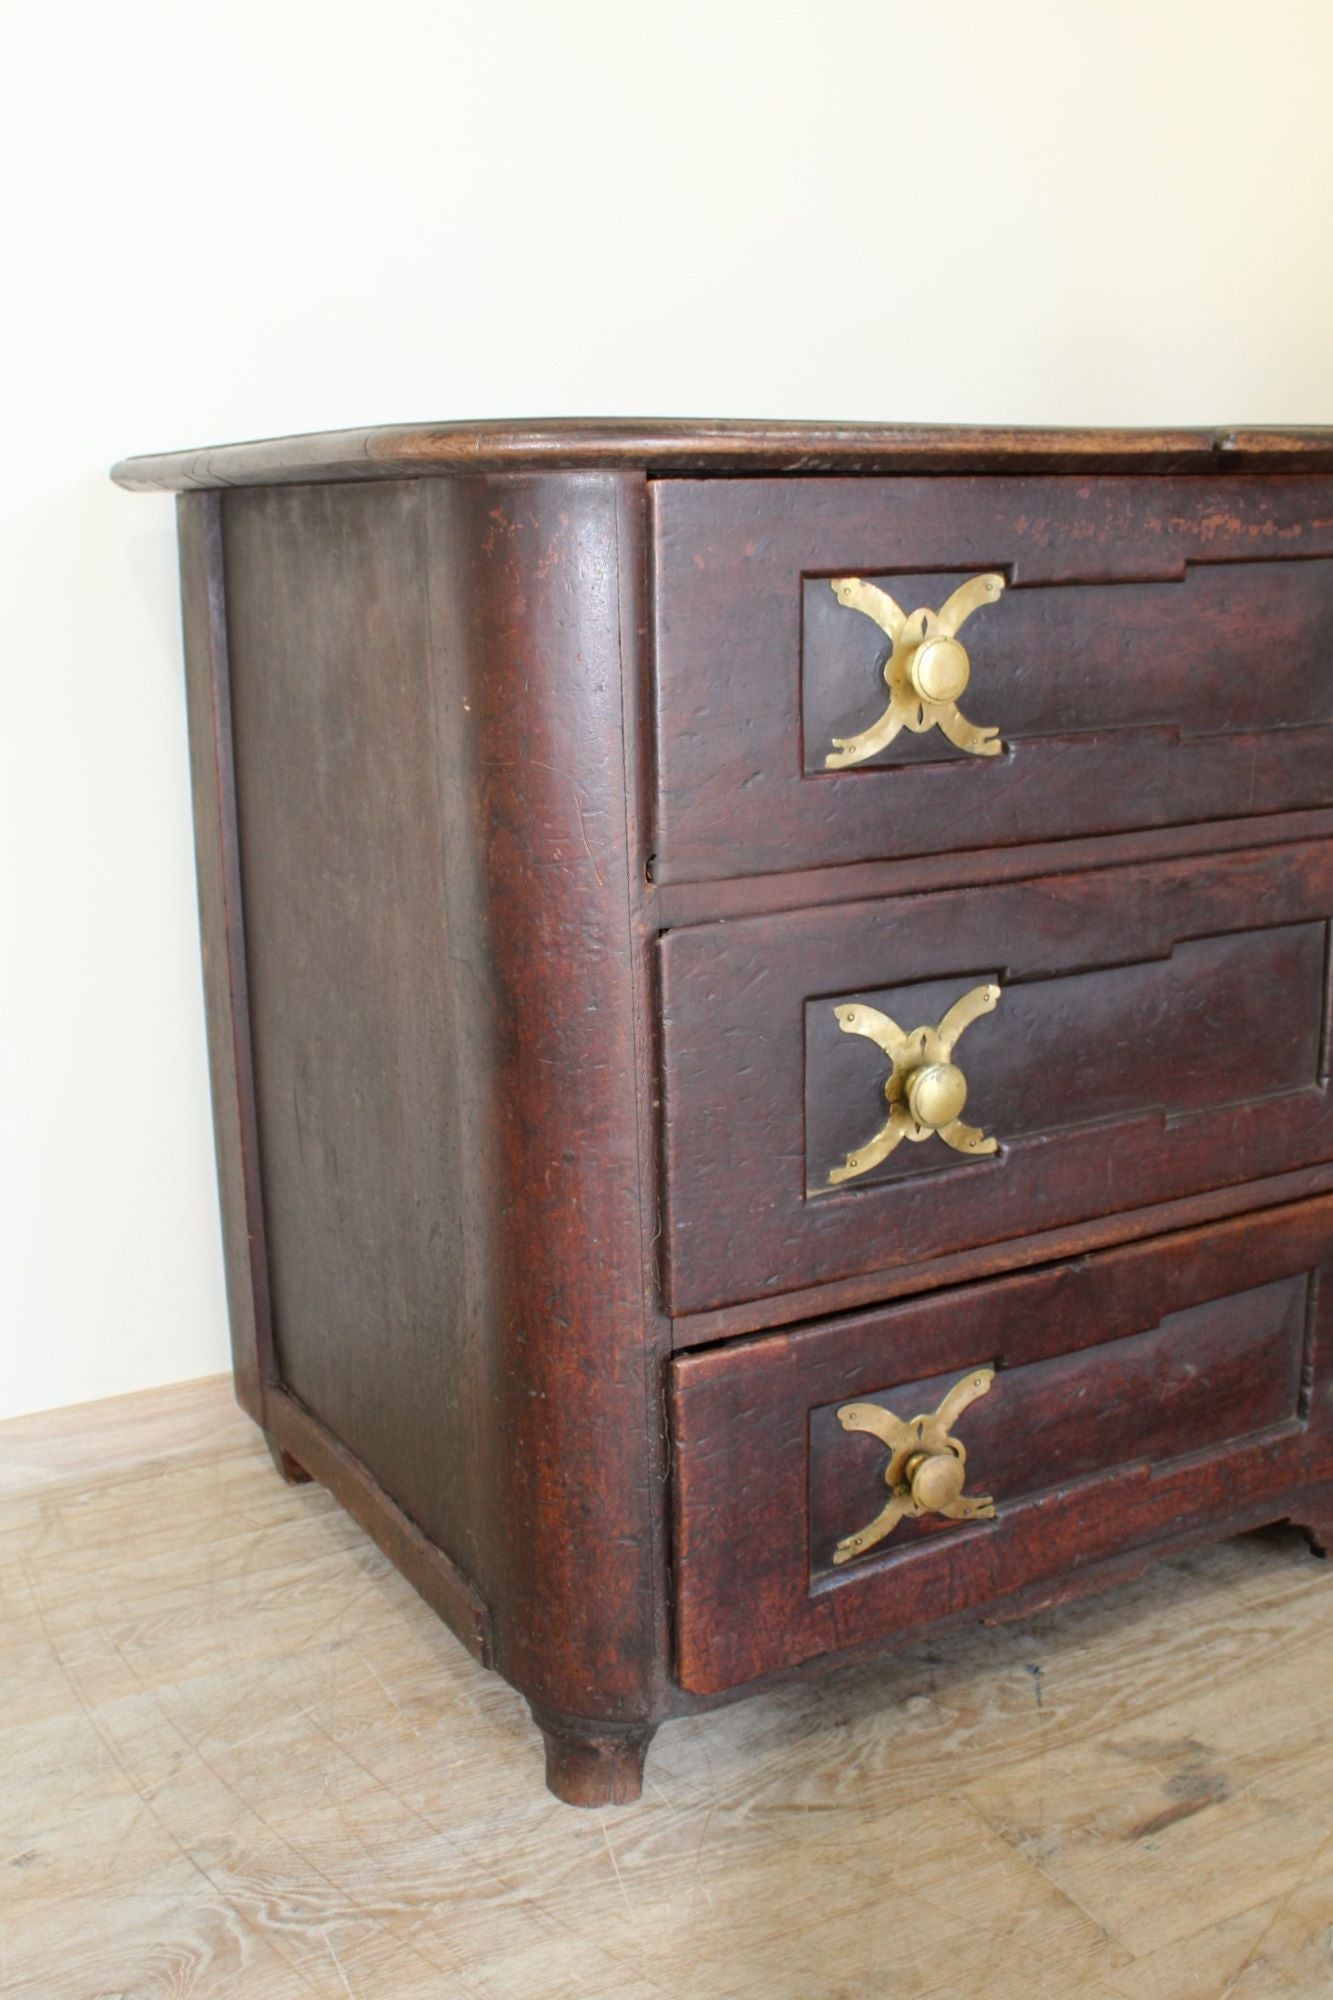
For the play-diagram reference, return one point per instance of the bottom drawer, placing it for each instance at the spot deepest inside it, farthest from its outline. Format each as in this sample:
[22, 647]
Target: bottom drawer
[1137, 1395]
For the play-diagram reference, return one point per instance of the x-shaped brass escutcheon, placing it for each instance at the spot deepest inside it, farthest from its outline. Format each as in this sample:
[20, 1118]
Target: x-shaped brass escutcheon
[926, 1090]
[925, 1471]
[925, 673]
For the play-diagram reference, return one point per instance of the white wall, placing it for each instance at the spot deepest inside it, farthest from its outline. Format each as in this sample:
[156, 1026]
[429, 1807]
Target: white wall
[280, 215]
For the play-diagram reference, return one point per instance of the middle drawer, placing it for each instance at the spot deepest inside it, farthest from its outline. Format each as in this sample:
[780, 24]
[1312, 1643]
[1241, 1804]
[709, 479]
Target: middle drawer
[855, 1088]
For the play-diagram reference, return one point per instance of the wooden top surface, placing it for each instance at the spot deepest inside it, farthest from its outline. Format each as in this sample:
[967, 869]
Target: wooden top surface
[705, 445]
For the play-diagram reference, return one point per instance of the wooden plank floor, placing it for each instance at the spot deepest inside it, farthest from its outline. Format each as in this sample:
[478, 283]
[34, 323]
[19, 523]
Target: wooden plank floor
[240, 1758]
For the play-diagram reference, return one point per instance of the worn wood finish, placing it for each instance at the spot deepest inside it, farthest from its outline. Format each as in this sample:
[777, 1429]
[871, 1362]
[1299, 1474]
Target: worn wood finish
[427, 735]
[592, 1766]
[677, 903]
[242, 1757]
[1110, 1043]
[304, 1449]
[1103, 1045]
[356, 1023]
[285, 1465]
[208, 691]
[482, 1407]
[988, 1260]
[1223, 1334]
[1201, 1376]
[1129, 685]
[668, 445]
[524, 570]
[1226, 648]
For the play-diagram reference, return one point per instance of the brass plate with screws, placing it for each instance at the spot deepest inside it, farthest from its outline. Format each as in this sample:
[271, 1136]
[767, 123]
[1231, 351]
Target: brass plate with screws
[925, 1090]
[925, 673]
[926, 1468]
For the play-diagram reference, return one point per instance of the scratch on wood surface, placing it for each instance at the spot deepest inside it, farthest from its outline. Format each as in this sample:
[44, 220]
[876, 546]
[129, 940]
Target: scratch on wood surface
[434, 1862]
[397, 1706]
[583, 830]
[629, 1908]
[1307, 1875]
[351, 1995]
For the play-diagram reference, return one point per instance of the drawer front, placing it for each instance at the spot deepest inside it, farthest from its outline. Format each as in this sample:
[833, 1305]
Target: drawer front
[1151, 652]
[1139, 1394]
[1136, 1035]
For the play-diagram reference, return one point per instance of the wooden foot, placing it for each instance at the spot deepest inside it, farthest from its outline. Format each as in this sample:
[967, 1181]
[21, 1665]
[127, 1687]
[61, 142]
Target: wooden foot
[1315, 1520]
[294, 1474]
[1319, 1534]
[593, 1763]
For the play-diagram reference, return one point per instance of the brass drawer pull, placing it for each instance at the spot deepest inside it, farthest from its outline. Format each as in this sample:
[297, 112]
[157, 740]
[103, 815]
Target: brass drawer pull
[926, 1468]
[925, 673]
[925, 1090]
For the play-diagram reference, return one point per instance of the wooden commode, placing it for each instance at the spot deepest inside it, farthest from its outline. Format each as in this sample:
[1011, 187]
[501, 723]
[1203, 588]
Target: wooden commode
[770, 1012]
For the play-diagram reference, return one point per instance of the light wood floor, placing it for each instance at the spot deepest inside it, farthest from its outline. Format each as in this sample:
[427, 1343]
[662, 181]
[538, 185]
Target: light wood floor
[239, 1757]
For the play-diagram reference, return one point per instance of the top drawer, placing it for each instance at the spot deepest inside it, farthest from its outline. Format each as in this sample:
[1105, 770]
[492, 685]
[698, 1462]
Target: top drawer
[1148, 652]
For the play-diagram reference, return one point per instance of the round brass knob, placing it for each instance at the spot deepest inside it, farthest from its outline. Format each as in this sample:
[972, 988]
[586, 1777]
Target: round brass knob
[936, 1479]
[939, 669]
[936, 1094]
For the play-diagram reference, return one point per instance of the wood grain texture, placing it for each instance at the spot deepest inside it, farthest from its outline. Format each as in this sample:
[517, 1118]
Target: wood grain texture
[241, 1756]
[702, 444]
[356, 1031]
[931, 1274]
[1199, 1377]
[303, 1449]
[599, 1765]
[1220, 1022]
[674, 904]
[1086, 963]
[1226, 648]
[1128, 667]
[535, 624]
[426, 749]
[449, 1140]
[208, 686]
[111, 1439]
[1227, 1412]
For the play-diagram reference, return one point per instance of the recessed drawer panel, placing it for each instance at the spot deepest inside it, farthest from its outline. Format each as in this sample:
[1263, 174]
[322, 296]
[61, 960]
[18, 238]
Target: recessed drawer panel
[862, 669]
[837, 1483]
[853, 1089]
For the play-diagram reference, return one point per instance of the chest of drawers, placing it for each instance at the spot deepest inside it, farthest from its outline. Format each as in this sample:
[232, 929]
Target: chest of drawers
[770, 1011]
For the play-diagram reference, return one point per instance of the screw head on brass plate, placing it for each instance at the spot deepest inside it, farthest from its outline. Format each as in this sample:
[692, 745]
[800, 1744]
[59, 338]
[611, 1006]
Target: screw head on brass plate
[940, 670]
[936, 1094]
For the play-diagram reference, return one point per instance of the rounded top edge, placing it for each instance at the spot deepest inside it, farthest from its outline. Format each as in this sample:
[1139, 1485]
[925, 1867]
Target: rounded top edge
[707, 445]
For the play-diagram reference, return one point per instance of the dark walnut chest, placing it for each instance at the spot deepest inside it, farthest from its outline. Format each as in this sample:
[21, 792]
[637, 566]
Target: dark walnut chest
[770, 1013]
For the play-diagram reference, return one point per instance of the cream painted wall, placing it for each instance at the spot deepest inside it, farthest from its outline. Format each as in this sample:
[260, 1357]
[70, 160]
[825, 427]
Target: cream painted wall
[279, 215]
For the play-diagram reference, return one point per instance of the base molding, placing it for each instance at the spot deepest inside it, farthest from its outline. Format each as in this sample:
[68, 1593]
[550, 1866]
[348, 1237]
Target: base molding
[298, 1439]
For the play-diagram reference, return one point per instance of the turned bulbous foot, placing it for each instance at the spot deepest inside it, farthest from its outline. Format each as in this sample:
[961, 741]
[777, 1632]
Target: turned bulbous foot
[593, 1764]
